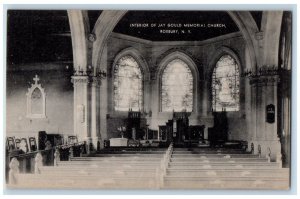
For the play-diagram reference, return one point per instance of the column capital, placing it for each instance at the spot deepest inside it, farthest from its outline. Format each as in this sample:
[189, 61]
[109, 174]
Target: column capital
[96, 81]
[267, 80]
[259, 35]
[80, 79]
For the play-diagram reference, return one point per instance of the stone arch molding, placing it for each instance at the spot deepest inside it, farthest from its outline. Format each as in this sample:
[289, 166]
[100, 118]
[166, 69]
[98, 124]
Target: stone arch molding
[218, 54]
[138, 57]
[144, 69]
[224, 50]
[34, 86]
[212, 65]
[177, 55]
[193, 67]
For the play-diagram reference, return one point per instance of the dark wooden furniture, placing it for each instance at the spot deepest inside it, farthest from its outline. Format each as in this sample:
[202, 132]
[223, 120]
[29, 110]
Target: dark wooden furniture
[218, 134]
[152, 134]
[163, 131]
[135, 126]
[10, 144]
[72, 139]
[17, 142]
[24, 145]
[180, 132]
[196, 132]
[180, 127]
[32, 144]
[54, 139]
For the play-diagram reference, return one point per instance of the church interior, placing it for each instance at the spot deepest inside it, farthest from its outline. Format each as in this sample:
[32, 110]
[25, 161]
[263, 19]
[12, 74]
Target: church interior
[119, 99]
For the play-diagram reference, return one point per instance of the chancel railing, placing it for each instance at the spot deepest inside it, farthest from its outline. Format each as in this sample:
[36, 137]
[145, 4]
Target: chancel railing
[26, 161]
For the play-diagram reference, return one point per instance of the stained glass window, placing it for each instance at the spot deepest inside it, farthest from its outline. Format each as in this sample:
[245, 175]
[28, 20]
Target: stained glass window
[128, 85]
[177, 87]
[226, 85]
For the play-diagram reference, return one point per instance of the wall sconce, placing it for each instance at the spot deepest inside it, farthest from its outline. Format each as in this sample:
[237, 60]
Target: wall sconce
[102, 74]
[79, 72]
[89, 70]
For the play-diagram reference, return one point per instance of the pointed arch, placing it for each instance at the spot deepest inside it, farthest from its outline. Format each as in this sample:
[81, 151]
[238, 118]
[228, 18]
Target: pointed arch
[137, 77]
[233, 70]
[186, 62]
[36, 91]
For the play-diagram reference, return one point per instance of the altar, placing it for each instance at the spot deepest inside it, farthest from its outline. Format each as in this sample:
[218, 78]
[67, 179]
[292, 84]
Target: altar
[117, 142]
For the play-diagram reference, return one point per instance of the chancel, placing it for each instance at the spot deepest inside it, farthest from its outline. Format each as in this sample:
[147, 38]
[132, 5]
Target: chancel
[105, 100]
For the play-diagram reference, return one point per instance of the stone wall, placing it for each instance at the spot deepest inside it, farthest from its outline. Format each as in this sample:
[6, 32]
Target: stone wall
[203, 54]
[55, 78]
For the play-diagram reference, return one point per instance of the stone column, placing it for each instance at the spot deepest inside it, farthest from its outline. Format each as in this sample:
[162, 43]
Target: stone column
[252, 116]
[204, 109]
[81, 107]
[95, 111]
[263, 93]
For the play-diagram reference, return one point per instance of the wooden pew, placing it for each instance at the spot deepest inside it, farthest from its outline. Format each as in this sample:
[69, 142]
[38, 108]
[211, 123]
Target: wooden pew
[215, 155]
[229, 172]
[160, 171]
[82, 182]
[226, 183]
[247, 165]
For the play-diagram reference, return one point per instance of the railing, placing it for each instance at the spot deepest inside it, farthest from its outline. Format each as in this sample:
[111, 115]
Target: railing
[31, 161]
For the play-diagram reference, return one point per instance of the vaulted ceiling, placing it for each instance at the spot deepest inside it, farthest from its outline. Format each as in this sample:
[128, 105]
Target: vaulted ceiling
[44, 35]
[204, 19]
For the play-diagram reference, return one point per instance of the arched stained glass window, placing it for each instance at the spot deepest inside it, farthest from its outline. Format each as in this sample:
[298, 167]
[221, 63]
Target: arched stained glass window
[226, 85]
[177, 87]
[128, 85]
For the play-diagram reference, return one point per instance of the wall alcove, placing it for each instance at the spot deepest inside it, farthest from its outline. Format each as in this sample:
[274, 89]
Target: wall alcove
[36, 100]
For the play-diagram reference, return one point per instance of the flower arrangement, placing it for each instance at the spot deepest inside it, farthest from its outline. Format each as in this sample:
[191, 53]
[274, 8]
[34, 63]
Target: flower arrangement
[122, 130]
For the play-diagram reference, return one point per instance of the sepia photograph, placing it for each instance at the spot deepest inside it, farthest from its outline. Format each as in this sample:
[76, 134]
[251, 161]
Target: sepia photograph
[148, 99]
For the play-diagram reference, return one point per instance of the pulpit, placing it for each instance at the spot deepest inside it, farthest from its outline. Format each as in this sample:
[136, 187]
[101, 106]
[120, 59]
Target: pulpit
[218, 134]
[134, 125]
